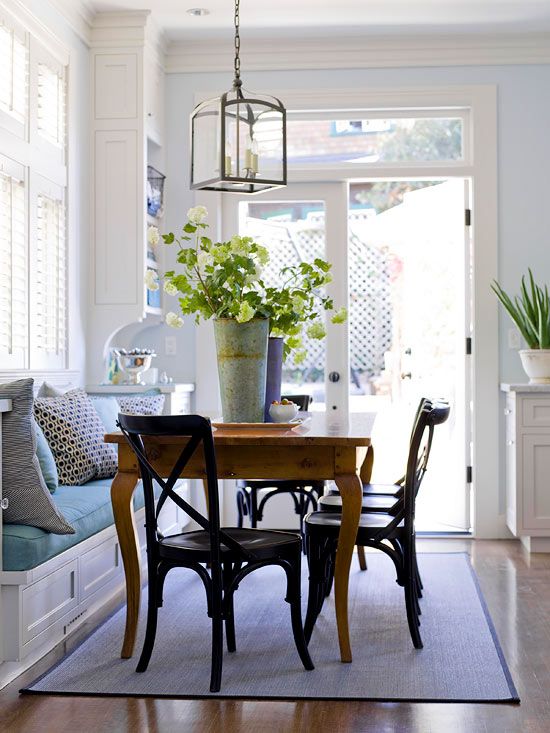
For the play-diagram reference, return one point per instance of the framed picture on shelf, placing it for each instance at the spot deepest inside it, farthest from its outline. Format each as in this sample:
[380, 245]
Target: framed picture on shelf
[155, 192]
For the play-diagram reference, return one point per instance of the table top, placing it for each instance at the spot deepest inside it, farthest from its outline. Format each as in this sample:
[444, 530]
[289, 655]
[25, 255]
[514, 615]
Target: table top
[322, 429]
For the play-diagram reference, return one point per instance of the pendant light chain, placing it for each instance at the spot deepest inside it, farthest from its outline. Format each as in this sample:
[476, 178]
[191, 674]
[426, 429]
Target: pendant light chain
[237, 82]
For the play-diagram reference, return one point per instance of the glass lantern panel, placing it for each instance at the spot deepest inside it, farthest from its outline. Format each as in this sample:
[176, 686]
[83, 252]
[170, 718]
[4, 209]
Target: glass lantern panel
[206, 145]
[254, 141]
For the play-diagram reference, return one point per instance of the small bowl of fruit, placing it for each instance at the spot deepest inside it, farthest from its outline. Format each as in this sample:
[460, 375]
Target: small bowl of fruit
[283, 411]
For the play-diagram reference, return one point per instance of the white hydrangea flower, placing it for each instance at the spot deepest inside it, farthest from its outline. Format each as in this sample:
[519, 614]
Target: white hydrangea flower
[170, 288]
[246, 313]
[153, 236]
[204, 259]
[151, 280]
[316, 330]
[197, 214]
[173, 320]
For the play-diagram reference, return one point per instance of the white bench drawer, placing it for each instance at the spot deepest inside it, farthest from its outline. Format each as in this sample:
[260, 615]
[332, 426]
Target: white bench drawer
[48, 600]
[99, 566]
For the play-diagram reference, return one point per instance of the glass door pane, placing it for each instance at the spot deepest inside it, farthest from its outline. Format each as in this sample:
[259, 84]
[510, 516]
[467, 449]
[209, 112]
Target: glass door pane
[293, 232]
[407, 274]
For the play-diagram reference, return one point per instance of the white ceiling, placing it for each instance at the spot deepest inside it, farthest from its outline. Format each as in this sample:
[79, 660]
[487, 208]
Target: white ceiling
[292, 18]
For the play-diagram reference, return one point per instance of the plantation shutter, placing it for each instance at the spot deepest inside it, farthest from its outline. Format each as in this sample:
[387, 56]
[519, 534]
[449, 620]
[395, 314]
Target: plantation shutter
[13, 73]
[13, 272]
[48, 345]
[51, 104]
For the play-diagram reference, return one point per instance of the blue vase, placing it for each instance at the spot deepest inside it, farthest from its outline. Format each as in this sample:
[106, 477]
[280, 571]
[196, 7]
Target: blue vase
[274, 373]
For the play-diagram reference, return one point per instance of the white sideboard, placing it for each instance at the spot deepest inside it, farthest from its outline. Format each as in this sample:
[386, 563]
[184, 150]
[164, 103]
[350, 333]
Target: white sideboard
[527, 413]
[177, 397]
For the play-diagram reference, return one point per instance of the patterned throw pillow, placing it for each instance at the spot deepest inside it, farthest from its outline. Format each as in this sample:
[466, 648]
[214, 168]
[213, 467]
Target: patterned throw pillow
[75, 433]
[22, 481]
[142, 404]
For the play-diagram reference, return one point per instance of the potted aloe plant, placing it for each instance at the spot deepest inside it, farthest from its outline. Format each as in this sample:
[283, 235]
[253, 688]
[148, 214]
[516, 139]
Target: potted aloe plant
[530, 311]
[223, 281]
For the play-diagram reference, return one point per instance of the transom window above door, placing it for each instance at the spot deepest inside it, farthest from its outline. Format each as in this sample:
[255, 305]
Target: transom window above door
[364, 137]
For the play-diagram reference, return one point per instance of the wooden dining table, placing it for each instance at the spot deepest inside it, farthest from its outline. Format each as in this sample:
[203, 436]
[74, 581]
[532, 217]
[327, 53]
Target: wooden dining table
[324, 446]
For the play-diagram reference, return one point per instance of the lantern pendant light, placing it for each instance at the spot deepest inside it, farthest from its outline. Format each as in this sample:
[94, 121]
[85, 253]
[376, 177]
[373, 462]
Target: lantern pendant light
[238, 140]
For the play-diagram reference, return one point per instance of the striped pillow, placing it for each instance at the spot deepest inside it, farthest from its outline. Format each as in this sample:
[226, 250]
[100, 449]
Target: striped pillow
[22, 481]
[75, 433]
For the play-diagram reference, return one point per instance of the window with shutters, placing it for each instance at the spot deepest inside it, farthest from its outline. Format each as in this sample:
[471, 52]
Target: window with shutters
[13, 73]
[48, 297]
[13, 272]
[33, 184]
[51, 104]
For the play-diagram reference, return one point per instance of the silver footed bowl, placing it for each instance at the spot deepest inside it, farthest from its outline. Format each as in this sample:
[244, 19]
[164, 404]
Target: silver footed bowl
[134, 364]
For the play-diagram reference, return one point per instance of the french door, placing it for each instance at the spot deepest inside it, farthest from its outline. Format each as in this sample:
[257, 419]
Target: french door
[301, 222]
[402, 271]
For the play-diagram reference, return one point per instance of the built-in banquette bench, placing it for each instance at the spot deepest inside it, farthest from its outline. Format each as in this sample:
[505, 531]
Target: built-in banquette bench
[51, 583]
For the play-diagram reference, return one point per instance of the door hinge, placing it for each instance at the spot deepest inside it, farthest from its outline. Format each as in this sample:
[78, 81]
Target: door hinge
[468, 474]
[467, 217]
[468, 345]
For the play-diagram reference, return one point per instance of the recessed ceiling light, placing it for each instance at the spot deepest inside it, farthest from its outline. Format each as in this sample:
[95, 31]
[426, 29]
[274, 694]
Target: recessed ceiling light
[198, 11]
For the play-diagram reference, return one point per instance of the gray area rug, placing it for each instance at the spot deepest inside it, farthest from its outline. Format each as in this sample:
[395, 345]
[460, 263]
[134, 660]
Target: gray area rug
[461, 660]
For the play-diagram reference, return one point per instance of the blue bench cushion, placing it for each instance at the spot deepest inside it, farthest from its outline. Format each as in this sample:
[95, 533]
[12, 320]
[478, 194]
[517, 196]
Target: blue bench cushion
[87, 508]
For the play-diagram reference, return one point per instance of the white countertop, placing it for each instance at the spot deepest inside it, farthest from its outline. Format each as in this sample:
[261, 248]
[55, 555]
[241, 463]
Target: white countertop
[138, 388]
[525, 387]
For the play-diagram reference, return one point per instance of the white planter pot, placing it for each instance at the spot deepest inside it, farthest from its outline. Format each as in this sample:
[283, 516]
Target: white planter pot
[536, 363]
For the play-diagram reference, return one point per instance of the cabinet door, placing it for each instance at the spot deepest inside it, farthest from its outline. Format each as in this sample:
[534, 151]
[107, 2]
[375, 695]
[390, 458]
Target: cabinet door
[535, 481]
[117, 224]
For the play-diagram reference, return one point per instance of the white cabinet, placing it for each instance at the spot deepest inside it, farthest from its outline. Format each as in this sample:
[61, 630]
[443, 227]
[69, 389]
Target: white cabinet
[127, 103]
[527, 438]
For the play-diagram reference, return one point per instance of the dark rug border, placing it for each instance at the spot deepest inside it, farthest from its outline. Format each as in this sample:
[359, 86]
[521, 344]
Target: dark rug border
[496, 641]
[513, 700]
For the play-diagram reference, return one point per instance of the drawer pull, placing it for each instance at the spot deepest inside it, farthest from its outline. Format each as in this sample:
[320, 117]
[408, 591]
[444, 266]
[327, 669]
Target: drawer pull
[510, 442]
[507, 411]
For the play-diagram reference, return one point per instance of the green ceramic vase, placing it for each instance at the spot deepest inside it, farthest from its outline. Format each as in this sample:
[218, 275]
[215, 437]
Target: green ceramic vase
[242, 361]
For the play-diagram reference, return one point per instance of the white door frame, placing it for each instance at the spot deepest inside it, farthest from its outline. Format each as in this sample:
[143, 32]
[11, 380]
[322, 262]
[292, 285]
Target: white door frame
[480, 167]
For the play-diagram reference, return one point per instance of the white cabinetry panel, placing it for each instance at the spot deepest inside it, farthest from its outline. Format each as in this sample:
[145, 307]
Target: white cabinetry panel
[535, 412]
[116, 192]
[528, 464]
[115, 86]
[536, 481]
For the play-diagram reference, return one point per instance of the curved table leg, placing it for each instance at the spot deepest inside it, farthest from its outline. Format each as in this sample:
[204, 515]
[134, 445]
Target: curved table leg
[366, 473]
[351, 491]
[122, 491]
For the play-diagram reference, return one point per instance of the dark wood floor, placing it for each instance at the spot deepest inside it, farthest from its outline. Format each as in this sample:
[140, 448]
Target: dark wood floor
[517, 591]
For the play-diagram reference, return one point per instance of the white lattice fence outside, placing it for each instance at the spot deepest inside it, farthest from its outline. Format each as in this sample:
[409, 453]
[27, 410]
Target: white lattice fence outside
[370, 312]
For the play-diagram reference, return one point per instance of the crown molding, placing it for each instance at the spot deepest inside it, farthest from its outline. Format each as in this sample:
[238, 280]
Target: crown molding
[78, 14]
[22, 15]
[281, 54]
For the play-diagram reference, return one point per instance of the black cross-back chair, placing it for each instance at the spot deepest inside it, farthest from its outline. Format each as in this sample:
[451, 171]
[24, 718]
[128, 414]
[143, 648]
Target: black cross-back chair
[393, 534]
[221, 557]
[385, 498]
[304, 494]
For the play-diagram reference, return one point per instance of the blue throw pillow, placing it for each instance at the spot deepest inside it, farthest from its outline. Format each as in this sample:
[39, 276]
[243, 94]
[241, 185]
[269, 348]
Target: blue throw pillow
[46, 459]
[107, 409]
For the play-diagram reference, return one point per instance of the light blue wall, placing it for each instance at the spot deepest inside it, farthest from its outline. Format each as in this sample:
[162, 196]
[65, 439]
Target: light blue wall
[523, 159]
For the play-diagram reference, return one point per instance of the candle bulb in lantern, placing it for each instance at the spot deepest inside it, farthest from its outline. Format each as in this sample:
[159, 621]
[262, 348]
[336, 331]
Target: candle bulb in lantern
[254, 156]
[248, 154]
[227, 158]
